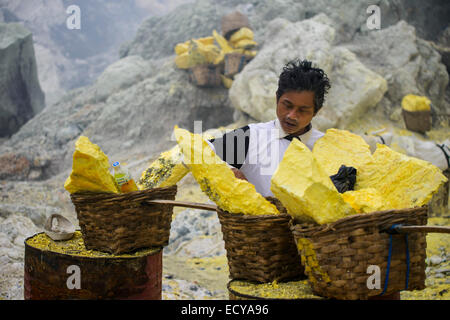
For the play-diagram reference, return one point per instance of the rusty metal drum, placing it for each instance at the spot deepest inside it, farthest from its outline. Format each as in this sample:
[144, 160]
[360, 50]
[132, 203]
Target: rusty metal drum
[65, 270]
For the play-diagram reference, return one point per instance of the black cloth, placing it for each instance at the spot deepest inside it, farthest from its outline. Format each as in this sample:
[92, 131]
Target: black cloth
[345, 179]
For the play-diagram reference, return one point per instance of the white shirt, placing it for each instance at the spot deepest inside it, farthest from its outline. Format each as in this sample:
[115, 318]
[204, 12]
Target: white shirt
[266, 149]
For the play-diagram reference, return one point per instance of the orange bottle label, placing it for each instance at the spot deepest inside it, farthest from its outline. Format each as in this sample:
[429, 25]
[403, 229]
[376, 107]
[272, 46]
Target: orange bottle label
[129, 186]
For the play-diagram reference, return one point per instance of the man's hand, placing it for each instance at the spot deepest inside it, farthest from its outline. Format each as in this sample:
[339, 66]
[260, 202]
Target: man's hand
[238, 174]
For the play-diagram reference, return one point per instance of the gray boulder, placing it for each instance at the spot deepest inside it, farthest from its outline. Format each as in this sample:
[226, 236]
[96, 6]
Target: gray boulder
[21, 96]
[355, 89]
[409, 64]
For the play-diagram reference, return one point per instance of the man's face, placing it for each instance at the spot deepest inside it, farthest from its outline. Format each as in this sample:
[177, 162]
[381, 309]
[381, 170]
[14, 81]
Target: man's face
[295, 110]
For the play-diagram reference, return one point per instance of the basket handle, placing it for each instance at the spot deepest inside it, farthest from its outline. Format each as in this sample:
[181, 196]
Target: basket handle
[186, 204]
[426, 229]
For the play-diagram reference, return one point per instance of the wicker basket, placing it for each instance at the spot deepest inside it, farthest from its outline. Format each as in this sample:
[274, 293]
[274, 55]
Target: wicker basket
[119, 223]
[232, 22]
[234, 63]
[337, 256]
[260, 248]
[205, 75]
[418, 121]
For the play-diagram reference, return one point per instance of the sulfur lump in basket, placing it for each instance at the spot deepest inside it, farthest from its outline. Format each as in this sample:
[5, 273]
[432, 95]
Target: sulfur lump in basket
[346, 147]
[385, 179]
[217, 180]
[165, 171]
[304, 188]
[365, 200]
[90, 169]
[402, 181]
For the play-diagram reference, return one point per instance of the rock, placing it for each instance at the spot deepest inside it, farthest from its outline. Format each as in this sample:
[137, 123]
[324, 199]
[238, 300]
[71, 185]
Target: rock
[17, 166]
[198, 19]
[354, 88]
[435, 260]
[409, 64]
[120, 75]
[21, 96]
[195, 233]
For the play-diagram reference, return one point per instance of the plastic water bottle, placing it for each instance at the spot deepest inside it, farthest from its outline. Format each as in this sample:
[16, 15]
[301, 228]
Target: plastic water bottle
[123, 179]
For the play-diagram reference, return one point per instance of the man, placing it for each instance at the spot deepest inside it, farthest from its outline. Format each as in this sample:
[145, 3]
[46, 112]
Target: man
[254, 151]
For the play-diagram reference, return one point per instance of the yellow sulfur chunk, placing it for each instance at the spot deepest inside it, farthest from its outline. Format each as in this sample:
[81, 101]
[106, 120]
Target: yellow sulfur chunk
[206, 40]
[165, 171]
[227, 82]
[413, 103]
[346, 149]
[242, 34]
[181, 48]
[209, 51]
[304, 188]
[90, 169]
[217, 180]
[402, 181]
[223, 43]
[245, 44]
[365, 200]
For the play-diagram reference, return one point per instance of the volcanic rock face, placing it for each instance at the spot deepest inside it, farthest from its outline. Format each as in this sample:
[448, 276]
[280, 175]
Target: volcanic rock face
[354, 90]
[20, 96]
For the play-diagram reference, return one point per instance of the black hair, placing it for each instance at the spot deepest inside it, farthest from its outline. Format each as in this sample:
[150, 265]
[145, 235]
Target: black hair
[298, 75]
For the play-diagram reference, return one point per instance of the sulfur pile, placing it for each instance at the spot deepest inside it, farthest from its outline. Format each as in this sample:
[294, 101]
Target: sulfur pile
[217, 180]
[385, 179]
[413, 103]
[75, 247]
[212, 51]
[90, 169]
[275, 290]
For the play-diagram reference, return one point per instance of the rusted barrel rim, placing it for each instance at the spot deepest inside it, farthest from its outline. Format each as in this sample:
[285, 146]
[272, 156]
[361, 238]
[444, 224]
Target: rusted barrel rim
[27, 246]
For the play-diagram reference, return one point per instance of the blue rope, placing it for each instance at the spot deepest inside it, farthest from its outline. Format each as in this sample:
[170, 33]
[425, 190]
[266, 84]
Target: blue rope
[407, 261]
[391, 231]
[386, 279]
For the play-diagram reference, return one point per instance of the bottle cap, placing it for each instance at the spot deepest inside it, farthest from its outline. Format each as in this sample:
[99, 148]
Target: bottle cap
[115, 164]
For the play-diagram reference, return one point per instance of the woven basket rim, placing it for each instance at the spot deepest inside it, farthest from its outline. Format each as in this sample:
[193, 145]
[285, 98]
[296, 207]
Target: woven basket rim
[253, 217]
[316, 230]
[120, 196]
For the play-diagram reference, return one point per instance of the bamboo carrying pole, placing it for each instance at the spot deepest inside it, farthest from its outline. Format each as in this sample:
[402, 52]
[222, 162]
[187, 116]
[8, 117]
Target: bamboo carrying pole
[213, 207]
[186, 204]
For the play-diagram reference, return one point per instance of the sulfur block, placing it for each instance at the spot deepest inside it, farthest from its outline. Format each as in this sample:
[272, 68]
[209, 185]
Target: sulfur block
[341, 147]
[365, 200]
[242, 34]
[402, 181]
[165, 171]
[414, 103]
[90, 169]
[305, 189]
[217, 180]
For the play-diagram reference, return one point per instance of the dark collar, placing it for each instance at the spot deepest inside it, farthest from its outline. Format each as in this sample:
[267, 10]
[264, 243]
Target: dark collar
[291, 136]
